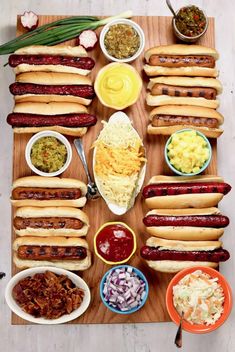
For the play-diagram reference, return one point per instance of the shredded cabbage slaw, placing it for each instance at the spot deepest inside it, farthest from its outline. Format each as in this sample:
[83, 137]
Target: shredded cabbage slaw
[199, 297]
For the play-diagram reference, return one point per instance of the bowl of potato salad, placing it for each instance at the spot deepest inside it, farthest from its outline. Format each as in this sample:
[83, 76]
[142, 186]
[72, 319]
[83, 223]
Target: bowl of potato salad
[188, 152]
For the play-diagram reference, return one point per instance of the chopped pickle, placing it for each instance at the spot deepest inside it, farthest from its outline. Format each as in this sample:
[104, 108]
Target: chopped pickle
[48, 154]
[121, 41]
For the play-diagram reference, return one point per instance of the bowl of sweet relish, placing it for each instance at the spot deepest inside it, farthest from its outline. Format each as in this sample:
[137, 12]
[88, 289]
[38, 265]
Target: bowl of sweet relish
[115, 243]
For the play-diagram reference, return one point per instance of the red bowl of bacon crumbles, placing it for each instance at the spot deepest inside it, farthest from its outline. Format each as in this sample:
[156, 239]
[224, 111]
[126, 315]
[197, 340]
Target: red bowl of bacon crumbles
[47, 295]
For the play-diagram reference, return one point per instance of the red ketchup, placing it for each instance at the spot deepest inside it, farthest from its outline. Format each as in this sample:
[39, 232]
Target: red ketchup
[115, 243]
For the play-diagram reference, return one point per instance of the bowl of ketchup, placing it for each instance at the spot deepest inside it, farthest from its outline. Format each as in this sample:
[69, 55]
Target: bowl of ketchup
[115, 243]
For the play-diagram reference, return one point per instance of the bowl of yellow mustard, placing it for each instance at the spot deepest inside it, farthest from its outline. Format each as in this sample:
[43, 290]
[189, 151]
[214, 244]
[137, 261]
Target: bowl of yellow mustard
[48, 153]
[188, 152]
[118, 85]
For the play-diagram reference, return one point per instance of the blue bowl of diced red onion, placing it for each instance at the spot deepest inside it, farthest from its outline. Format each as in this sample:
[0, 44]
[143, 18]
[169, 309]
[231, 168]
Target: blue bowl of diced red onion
[124, 289]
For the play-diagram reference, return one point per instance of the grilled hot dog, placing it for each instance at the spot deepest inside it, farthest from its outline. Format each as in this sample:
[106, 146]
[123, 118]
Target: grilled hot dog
[177, 192]
[86, 63]
[44, 191]
[182, 60]
[68, 253]
[50, 221]
[66, 120]
[51, 252]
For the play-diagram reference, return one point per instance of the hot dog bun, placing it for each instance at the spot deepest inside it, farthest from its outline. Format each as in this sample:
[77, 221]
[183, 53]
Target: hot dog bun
[185, 233]
[52, 78]
[52, 212]
[187, 82]
[194, 71]
[196, 200]
[185, 179]
[177, 245]
[48, 182]
[63, 50]
[51, 108]
[185, 110]
[75, 132]
[158, 100]
[60, 50]
[180, 49]
[52, 241]
[174, 266]
[47, 98]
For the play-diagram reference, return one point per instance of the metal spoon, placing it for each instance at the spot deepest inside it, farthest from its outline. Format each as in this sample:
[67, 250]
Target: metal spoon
[92, 190]
[170, 7]
[178, 336]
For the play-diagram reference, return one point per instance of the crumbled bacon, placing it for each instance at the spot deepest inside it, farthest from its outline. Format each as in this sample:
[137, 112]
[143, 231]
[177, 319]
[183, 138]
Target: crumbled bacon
[47, 295]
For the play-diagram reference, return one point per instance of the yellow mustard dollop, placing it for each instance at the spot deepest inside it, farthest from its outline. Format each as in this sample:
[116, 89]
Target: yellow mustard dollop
[118, 85]
[188, 151]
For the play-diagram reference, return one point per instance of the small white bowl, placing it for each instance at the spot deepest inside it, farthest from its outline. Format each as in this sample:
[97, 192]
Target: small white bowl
[132, 24]
[77, 280]
[35, 138]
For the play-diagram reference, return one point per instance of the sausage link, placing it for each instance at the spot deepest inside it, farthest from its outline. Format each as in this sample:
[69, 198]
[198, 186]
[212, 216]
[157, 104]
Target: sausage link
[45, 193]
[172, 189]
[86, 63]
[83, 91]
[51, 252]
[171, 120]
[215, 221]
[177, 91]
[152, 253]
[47, 223]
[182, 60]
[66, 120]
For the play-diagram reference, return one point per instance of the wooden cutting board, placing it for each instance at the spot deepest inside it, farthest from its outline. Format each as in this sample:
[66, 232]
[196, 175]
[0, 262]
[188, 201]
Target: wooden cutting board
[157, 31]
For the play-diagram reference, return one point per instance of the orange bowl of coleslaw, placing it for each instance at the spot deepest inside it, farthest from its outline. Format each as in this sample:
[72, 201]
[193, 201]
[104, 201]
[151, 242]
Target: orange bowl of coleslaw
[202, 295]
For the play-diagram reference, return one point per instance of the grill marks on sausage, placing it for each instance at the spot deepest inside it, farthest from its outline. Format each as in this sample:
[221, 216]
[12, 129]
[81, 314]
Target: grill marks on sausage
[32, 252]
[172, 189]
[66, 120]
[45, 193]
[154, 253]
[182, 60]
[47, 223]
[83, 91]
[215, 221]
[178, 91]
[86, 63]
[172, 120]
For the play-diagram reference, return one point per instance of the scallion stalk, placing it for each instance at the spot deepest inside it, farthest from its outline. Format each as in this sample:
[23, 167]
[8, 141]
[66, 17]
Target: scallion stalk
[58, 31]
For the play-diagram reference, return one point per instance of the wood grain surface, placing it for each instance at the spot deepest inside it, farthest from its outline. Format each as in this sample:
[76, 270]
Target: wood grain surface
[157, 31]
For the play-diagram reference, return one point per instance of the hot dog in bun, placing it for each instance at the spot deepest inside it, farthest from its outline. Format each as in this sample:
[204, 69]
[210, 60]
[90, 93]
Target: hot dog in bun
[52, 86]
[41, 191]
[181, 60]
[168, 119]
[65, 253]
[72, 119]
[50, 221]
[57, 58]
[174, 90]
[186, 224]
[172, 256]
[176, 192]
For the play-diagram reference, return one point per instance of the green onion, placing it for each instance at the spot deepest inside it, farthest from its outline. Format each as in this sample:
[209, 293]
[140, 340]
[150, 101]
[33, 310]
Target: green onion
[57, 32]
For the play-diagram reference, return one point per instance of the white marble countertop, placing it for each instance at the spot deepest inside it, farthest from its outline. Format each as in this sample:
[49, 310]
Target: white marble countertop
[124, 338]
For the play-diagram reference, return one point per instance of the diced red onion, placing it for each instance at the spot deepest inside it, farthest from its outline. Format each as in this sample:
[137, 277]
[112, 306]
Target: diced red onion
[123, 289]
